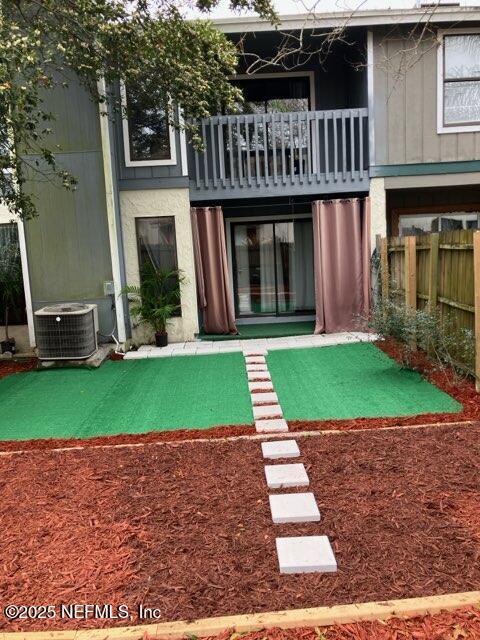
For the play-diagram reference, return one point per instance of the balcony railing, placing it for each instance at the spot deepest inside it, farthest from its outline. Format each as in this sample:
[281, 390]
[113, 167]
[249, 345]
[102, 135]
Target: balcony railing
[281, 153]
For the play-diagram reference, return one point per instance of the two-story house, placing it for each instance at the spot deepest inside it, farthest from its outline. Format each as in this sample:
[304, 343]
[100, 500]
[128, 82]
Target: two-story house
[383, 133]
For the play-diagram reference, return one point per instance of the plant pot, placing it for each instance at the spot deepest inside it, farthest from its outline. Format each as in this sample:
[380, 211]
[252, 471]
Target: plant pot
[8, 346]
[161, 339]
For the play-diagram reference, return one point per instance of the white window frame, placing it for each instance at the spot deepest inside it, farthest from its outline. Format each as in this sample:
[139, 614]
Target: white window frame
[126, 141]
[441, 126]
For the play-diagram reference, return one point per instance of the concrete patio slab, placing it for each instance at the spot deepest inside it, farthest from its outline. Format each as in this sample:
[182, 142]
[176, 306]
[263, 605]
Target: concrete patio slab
[283, 476]
[267, 411]
[293, 507]
[272, 425]
[305, 554]
[260, 385]
[262, 398]
[275, 449]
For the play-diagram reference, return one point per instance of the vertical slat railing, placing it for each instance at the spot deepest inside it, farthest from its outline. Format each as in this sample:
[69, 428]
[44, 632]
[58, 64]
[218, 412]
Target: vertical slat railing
[247, 154]
[221, 153]
[360, 150]
[300, 147]
[265, 147]
[230, 153]
[352, 144]
[335, 145]
[326, 148]
[280, 149]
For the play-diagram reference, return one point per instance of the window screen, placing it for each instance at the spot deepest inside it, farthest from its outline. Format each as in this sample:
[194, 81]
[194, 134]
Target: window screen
[461, 75]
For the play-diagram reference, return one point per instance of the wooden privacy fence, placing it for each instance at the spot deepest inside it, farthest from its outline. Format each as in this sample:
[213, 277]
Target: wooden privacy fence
[438, 272]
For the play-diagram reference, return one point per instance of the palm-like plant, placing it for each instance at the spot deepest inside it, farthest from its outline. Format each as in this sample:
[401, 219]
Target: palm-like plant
[157, 298]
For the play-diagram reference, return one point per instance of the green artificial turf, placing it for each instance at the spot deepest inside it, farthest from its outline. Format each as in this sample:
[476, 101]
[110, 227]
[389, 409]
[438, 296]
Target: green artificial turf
[267, 330]
[129, 396]
[350, 381]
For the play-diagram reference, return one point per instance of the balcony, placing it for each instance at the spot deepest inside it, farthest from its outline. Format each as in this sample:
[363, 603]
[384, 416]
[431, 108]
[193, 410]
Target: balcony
[280, 154]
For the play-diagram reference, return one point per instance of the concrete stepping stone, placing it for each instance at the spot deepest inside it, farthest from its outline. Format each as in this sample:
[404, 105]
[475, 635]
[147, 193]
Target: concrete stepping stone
[262, 385]
[258, 375]
[260, 398]
[272, 425]
[293, 507]
[274, 449]
[267, 411]
[305, 554]
[253, 350]
[257, 367]
[255, 359]
[283, 476]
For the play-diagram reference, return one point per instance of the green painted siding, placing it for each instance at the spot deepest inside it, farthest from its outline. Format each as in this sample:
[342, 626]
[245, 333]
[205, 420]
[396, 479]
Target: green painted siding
[68, 244]
[424, 169]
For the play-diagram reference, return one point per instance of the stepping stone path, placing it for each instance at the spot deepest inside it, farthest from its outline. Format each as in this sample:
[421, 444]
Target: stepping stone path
[271, 425]
[261, 385]
[282, 476]
[263, 398]
[305, 555]
[293, 507]
[302, 554]
[280, 449]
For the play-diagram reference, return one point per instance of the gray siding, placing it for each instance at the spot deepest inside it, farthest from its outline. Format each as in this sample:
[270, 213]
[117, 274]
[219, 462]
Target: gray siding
[68, 244]
[405, 105]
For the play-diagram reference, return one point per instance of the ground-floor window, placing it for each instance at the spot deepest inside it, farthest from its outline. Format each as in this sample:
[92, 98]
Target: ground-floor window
[273, 267]
[157, 244]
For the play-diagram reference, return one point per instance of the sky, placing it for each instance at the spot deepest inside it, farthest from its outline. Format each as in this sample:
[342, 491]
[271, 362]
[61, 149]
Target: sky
[285, 7]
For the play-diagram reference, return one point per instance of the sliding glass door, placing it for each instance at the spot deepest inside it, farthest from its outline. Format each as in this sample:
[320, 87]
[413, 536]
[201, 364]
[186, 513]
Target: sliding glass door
[273, 267]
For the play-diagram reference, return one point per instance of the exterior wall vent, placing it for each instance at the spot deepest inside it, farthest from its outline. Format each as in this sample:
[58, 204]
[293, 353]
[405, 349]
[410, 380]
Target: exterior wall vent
[66, 331]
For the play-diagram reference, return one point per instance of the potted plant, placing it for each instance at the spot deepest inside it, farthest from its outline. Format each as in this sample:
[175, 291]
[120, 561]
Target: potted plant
[11, 286]
[156, 300]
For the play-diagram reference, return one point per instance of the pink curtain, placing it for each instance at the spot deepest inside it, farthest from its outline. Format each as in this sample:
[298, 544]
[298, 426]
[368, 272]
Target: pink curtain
[213, 284]
[341, 234]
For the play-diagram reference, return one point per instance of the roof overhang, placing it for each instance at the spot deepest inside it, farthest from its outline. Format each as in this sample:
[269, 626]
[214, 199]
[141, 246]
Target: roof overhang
[436, 15]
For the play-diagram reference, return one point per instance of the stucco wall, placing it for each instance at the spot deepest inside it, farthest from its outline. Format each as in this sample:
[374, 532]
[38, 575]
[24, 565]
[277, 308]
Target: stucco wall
[378, 224]
[162, 202]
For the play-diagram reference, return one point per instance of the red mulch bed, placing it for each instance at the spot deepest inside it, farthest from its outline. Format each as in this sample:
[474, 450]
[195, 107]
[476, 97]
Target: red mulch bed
[462, 390]
[187, 528]
[462, 624]
[9, 367]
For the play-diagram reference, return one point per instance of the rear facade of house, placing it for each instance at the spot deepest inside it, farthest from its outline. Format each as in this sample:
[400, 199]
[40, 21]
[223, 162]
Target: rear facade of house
[387, 125]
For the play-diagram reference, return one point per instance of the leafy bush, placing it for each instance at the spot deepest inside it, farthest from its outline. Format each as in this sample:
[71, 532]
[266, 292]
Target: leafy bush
[438, 335]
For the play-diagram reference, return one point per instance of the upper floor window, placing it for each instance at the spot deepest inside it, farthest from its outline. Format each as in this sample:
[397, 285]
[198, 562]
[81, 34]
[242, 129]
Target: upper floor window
[148, 136]
[459, 82]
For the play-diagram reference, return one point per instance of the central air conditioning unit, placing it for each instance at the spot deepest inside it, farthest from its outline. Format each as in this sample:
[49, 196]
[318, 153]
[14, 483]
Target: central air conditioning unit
[66, 331]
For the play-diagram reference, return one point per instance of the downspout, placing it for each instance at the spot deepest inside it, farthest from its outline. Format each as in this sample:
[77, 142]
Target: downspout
[26, 282]
[112, 220]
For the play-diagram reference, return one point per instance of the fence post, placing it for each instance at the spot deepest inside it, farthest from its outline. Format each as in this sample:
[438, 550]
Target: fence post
[384, 268]
[411, 272]
[433, 273]
[476, 282]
